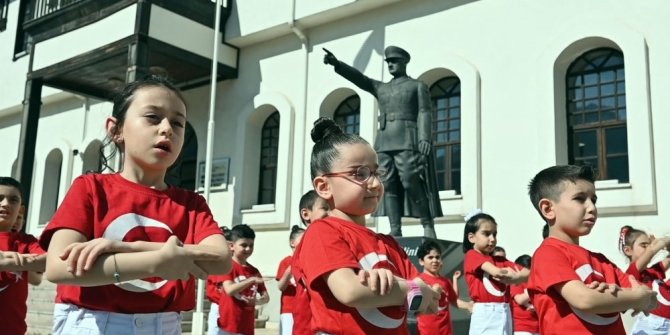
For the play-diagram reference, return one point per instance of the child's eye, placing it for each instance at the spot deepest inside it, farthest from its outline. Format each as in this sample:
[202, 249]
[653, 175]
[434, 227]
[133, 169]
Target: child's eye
[153, 118]
[177, 124]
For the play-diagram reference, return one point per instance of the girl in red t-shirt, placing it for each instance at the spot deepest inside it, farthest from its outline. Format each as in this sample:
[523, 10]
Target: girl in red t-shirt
[287, 285]
[523, 311]
[488, 277]
[343, 299]
[125, 248]
[640, 248]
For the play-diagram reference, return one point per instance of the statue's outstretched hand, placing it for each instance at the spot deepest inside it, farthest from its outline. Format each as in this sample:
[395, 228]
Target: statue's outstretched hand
[329, 58]
[424, 147]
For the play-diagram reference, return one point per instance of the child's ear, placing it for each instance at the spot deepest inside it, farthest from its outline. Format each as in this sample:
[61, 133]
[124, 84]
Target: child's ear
[628, 250]
[304, 215]
[471, 238]
[322, 187]
[111, 125]
[546, 207]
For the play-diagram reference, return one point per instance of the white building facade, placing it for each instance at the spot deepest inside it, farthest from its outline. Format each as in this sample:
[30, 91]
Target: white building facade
[518, 86]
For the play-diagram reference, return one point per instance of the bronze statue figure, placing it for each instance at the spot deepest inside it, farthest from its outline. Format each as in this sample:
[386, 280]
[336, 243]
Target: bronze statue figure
[403, 142]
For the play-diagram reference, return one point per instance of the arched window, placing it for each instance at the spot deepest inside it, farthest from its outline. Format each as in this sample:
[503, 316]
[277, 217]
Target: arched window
[348, 114]
[91, 157]
[446, 97]
[269, 148]
[50, 185]
[183, 172]
[596, 103]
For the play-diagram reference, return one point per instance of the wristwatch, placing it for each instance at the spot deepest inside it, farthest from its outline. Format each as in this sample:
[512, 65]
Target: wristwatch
[414, 297]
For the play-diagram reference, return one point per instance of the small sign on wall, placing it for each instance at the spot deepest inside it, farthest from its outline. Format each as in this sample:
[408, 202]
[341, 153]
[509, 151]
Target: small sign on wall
[220, 170]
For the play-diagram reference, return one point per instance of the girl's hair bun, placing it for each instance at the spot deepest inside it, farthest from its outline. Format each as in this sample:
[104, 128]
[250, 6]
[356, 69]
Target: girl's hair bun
[324, 127]
[295, 228]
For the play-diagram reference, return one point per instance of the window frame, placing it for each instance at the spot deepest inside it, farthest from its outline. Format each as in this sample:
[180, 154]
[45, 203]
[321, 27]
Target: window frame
[273, 157]
[576, 87]
[450, 90]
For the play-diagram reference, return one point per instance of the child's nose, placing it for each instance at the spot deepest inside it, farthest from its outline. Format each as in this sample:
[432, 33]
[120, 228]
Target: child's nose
[166, 128]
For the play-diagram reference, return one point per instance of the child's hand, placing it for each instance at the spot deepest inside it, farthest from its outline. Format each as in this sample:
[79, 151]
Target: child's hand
[660, 243]
[431, 297]
[470, 306]
[255, 280]
[177, 262]
[380, 281]
[80, 257]
[507, 275]
[604, 287]
[456, 275]
[249, 300]
[647, 298]
[9, 258]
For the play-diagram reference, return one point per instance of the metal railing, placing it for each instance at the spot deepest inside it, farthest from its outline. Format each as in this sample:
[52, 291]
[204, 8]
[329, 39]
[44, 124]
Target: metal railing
[40, 8]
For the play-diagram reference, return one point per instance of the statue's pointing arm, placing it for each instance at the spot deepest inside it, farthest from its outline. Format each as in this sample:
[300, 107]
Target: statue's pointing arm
[351, 74]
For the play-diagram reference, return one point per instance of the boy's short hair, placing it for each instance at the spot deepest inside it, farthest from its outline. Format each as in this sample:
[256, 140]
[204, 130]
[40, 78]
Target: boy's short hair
[426, 247]
[9, 181]
[499, 249]
[524, 260]
[307, 202]
[548, 183]
[241, 231]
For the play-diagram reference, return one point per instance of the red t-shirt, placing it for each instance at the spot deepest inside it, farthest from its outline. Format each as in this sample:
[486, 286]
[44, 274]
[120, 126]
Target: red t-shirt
[654, 277]
[213, 288]
[109, 206]
[482, 287]
[439, 323]
[14, 285]
[235, 315]
[525, 318]
[302, 317]
[288, 294]
[556, 262]
[332, 243]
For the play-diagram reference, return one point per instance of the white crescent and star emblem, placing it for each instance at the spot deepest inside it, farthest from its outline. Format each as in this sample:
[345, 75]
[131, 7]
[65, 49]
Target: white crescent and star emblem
[584, 272]
[117, 230]
[373, 315]
[659, 296]
[491, 288]
[17, 275]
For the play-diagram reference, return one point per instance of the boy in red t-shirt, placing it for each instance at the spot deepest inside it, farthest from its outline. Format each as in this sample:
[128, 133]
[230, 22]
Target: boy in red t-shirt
[523, 311]
[563, 274]
[18, 254]
[241, 287]
[312, 208]
[430, 258]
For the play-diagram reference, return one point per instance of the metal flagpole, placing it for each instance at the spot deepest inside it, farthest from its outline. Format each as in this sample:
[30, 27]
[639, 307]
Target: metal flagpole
[198, 316]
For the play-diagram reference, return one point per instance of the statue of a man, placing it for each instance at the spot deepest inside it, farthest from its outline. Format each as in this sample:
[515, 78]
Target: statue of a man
[403, 142]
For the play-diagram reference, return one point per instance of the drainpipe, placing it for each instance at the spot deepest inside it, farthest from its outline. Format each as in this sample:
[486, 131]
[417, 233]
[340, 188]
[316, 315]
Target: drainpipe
[305, 46]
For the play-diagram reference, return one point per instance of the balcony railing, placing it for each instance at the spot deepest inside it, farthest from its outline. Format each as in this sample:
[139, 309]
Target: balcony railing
[40, 8]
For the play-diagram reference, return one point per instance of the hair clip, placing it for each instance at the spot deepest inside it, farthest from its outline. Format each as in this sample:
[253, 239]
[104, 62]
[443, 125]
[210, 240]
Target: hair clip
[472, 213]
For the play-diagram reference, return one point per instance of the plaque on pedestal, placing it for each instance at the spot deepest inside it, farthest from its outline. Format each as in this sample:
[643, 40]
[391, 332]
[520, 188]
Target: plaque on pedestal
[452, 258]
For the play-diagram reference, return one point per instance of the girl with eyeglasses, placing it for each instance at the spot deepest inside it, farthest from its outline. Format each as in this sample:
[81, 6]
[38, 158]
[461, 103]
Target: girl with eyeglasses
[359, 282]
